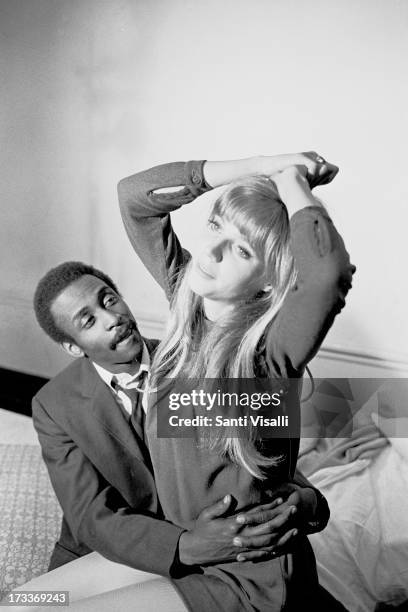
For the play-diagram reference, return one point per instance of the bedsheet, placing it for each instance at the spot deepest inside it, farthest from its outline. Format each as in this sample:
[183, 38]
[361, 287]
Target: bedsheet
[362, 555]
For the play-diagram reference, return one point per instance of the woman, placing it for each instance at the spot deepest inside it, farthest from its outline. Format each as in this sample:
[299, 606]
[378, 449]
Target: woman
[256, 300]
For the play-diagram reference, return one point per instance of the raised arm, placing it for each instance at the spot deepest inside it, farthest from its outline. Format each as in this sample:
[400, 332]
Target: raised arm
[324, 277]
[146, 208]
[146, 215]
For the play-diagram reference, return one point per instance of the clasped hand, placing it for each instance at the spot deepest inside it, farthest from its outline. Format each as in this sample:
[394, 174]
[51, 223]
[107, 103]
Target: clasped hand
[312, 166]
[260, 533]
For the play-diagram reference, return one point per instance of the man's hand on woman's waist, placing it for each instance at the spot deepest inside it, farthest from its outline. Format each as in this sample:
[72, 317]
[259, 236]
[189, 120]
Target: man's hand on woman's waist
[259, 534]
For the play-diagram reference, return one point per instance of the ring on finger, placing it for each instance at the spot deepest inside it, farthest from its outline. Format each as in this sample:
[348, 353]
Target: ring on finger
[320, 159]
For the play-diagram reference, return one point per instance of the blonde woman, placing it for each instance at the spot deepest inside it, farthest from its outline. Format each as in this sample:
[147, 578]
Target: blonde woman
[256, 300]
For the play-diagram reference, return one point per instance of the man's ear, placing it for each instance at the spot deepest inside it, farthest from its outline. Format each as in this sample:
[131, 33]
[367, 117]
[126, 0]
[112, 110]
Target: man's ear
[72, 349]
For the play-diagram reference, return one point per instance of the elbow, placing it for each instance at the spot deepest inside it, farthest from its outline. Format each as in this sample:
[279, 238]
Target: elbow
[123, 191]
[129, 200]
[84, 528]
[336, 276]
[343, 281]
[331, 285]
[336, 292]
[133, 197]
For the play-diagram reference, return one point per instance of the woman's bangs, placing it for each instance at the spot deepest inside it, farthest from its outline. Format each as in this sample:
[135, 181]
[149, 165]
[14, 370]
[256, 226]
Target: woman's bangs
[255, 220]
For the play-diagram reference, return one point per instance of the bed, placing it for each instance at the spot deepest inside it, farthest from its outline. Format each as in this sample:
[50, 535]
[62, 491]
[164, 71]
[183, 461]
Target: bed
[362, 555]
[30, 516]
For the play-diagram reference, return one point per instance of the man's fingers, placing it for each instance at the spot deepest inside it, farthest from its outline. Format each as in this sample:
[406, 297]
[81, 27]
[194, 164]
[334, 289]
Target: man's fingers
[260, 514]
[255, 555]
[216, 510]
[286, 538]
[264, 507]
[270, 518]
[260, 541]
[263, 535]
[271, 528]
[269, 552]
[274, 525]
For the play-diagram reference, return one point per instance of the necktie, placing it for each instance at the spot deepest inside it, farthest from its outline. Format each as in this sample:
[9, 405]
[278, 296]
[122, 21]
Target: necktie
[135, 394]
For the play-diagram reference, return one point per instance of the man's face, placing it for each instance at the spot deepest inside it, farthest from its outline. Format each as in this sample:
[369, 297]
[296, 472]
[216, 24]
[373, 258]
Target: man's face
[100, 323]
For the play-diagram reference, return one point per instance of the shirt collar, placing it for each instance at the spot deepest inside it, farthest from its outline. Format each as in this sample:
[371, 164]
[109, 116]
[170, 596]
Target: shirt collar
[123, 377]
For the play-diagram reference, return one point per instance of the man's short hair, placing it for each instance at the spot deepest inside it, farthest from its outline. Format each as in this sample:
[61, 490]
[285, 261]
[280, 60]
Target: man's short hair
[50, 287]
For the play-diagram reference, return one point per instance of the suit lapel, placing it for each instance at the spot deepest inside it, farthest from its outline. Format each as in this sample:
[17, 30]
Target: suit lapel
[101, 405]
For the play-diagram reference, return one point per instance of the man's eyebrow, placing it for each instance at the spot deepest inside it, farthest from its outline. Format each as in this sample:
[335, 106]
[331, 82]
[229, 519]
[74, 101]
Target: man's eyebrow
[103, 291]
[77, 316]
[85, 309]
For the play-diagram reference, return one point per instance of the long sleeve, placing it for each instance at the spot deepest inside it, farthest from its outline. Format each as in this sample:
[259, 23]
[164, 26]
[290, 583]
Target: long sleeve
[323, 264]
[321, 511]
[146, 215]
[323, 280]
[97, 515]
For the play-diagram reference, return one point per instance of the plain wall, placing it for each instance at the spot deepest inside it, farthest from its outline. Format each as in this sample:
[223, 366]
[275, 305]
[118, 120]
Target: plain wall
[93, 90]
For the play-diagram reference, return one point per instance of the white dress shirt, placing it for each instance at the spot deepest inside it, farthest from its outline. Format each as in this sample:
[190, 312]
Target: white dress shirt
[128, 382]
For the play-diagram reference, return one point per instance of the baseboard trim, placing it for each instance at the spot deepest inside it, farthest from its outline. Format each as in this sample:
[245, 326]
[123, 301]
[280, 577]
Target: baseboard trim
[387, 360]
[17, 390]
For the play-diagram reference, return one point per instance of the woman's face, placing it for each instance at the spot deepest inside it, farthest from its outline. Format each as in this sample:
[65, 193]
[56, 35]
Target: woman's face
[224, 267]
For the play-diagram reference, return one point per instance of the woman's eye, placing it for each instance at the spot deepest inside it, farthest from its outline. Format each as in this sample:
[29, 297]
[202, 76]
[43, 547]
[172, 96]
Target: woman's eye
[213, 225]
[243, 252]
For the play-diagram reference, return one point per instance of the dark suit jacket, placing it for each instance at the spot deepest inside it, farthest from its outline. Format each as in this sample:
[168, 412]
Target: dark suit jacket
[100, 470]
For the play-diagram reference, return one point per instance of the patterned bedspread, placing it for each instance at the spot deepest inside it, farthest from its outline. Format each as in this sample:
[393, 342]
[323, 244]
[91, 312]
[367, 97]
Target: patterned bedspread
[30, 516]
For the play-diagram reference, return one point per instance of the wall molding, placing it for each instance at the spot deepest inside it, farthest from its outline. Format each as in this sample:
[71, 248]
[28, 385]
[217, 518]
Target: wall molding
[386, 360]
[371, 359]
[153, 326]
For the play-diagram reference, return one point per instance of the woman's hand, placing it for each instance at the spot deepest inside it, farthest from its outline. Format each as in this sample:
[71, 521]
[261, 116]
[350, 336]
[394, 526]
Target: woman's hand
[295, 183]
[316, 169]
[294, 188]
[319, 171]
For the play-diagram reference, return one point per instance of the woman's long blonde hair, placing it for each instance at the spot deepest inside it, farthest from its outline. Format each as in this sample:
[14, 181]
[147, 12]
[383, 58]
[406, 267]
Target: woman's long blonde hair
[191, 348]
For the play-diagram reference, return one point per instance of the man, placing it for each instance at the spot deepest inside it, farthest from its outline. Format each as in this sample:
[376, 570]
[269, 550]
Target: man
[89, 420]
